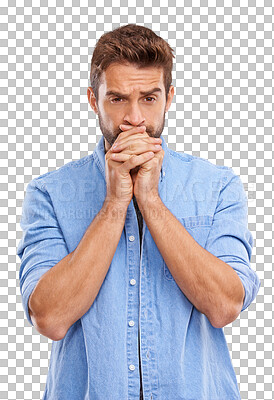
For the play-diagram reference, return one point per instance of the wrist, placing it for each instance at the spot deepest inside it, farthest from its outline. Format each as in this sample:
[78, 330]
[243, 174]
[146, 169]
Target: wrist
[148, 201]
[114, 209]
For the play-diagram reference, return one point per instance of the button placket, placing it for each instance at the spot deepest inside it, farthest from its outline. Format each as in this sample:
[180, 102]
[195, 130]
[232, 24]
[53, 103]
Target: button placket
[131, 230]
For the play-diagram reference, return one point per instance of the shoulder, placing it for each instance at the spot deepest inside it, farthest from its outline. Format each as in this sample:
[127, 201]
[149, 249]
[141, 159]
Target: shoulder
[202, 162]
[69, 172]
[200, 167]
[203, 175]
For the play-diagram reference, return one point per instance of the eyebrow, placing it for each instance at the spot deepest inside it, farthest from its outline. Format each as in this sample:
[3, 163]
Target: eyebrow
[126, 96]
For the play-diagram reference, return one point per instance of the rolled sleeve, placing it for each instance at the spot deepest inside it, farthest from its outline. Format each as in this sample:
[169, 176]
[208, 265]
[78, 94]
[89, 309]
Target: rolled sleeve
[229, 238]
[42, 244]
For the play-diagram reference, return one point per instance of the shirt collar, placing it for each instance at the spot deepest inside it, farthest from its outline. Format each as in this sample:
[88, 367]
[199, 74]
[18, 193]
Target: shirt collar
[99, 156]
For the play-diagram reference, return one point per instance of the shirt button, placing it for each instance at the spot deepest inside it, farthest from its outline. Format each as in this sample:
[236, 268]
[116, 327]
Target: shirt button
[131, 238]
[132, 367]
[131, 323]
[132, 281]
[164, 173]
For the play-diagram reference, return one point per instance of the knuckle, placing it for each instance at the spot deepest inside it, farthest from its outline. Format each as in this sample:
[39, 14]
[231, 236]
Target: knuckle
[108, 154]
[132, 158]
[155, 160]
[132, 147]
[140, 135]
[122, 134]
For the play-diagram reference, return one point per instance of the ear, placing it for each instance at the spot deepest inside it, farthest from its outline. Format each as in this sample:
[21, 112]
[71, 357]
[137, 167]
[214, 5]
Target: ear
[169, 97]
[92, 99]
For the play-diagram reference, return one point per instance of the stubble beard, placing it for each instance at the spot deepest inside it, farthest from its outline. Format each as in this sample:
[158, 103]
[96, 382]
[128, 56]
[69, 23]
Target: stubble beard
[112, 136]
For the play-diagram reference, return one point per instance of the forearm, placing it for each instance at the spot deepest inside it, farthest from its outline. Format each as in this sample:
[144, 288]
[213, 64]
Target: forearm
[67, 290]
[210, 284]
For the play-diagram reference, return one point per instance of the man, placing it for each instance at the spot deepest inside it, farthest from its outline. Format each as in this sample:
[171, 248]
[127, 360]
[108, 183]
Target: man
[135, 257]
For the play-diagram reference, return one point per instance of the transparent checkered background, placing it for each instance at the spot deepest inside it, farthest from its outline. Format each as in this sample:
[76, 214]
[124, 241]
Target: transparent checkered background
[222, 111]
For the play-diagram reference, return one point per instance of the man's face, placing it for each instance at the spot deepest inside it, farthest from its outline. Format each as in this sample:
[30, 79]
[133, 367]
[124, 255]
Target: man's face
[127, 96]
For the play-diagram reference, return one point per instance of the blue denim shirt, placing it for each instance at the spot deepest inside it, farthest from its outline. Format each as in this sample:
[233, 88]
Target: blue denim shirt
[182, 355]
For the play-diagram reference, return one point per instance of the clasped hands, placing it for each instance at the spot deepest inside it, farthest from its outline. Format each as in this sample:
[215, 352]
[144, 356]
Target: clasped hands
[133, 141]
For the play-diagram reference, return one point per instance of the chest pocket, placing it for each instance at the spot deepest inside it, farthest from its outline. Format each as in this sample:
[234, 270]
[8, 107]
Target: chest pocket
[198, 227]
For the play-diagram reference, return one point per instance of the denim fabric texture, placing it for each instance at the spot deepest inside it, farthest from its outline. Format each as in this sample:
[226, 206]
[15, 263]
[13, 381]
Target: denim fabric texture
[183, 357]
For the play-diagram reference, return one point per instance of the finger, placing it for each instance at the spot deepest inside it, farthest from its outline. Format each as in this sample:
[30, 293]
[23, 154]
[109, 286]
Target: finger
[137, 149]
[128, 127]
[160, 154]
[125, 127]
[124, 156]
[130, 130]
[135, 141]
[135, 160]
[130, 135]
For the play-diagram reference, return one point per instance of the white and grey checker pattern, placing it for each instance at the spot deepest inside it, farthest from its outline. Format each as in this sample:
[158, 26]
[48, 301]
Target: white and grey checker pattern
[222, 111]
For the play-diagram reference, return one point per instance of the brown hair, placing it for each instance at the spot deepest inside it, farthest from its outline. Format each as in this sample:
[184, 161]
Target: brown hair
[134, 44]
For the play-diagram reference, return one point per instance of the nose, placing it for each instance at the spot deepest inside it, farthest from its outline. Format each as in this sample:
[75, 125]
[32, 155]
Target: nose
[133, 115]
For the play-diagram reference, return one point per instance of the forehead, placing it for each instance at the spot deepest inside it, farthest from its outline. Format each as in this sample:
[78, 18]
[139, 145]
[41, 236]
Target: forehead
[126, 78]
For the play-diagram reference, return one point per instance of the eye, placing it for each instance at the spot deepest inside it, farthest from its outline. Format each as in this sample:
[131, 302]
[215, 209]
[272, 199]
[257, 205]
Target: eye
[116, 99]
[151, 98]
